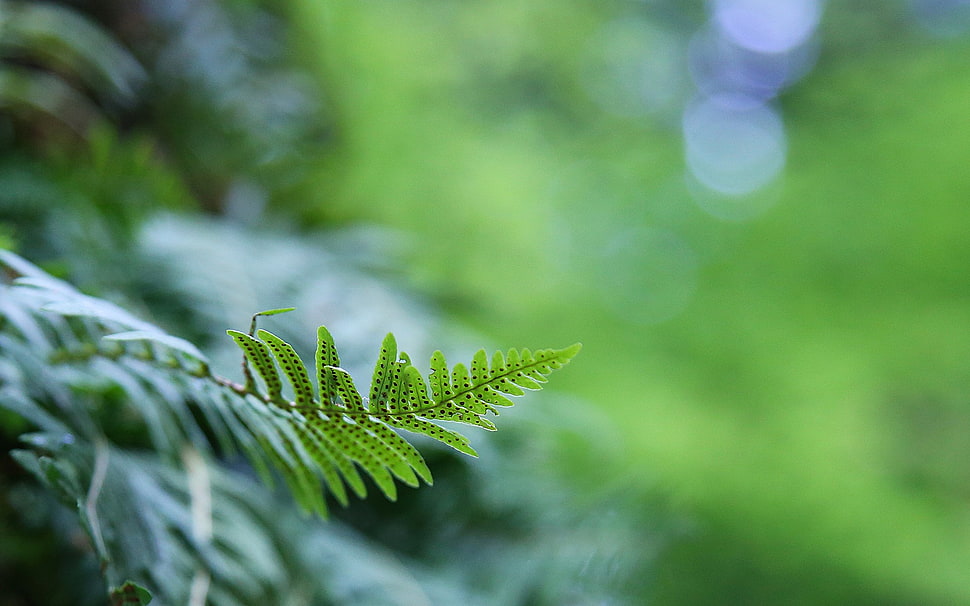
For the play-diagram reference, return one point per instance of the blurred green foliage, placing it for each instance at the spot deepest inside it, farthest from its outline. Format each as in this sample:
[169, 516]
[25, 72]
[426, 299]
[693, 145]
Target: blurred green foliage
[794, 383]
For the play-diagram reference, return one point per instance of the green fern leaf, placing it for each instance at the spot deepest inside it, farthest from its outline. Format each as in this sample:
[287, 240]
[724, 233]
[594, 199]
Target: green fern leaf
[293, 367]
[361, 448]
[433, 430]
[326, 357]
[331, 442]
[443, 409]
[405, 452]
[381, 381]
[258, 354]
[330, 454]
[347, 393]
[339, 433]
[466, 396]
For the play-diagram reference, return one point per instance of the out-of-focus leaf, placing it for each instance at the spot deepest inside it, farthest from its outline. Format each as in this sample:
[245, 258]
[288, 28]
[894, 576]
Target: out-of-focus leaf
[180, 345]
[65, 40]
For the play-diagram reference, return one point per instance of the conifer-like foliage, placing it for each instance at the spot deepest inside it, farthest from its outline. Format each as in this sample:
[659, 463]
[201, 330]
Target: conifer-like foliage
[88, 378]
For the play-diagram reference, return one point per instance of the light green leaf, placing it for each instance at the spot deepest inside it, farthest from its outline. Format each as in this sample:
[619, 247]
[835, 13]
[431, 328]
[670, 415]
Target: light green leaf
[292, 366]
[347, 392]
[433, 430]
[258, 354]
[380, 385]
[326, 356]
[273, 312]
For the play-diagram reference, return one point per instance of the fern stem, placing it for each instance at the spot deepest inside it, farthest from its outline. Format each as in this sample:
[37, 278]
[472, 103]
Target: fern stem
[355, 414]
[101, 459]
[200, 501]
[199, 590]
[237, 388]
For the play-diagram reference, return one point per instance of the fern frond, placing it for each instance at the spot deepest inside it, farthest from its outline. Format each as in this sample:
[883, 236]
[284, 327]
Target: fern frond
[342, 433]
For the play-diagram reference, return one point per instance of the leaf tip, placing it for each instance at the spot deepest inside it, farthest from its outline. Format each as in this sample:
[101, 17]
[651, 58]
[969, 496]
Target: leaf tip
[572, 350]
[273, 312]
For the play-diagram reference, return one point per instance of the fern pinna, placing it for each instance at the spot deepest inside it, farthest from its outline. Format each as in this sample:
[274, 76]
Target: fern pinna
[338, 428]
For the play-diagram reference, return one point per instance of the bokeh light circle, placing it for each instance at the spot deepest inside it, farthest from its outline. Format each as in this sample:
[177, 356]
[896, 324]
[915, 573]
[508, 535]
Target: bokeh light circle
[768, 26]
[734, 145]
[718, 65]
